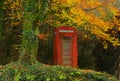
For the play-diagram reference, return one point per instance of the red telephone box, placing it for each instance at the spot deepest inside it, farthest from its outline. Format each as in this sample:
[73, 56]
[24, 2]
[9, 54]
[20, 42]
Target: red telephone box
[65, 46]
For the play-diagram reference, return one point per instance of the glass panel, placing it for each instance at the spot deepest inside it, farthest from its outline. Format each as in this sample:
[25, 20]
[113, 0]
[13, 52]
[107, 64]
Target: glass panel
[66, 62]
[66, 52]
[67, 57]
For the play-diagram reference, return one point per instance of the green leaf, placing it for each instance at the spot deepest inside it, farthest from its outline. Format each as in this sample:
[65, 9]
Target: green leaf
[30, 77]
[48, 79]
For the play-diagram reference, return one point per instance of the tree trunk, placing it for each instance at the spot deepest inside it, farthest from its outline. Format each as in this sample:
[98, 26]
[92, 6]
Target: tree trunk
[118, 67]
[30, 40]
[34, 10]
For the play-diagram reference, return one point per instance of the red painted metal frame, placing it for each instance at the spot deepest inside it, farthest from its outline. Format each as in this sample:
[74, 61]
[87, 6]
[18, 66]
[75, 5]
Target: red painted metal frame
[57, 45]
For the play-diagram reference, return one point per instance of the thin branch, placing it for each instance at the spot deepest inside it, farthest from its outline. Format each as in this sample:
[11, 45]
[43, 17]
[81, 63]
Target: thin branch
[89, 9]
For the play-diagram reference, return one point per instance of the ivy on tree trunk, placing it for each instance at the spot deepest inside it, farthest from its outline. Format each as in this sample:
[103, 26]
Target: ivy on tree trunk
[32, 12]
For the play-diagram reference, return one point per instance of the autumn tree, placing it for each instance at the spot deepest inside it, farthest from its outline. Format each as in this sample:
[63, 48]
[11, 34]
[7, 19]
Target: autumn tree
[20, 28]
[116, 33]
[93, 15]
[11, 31]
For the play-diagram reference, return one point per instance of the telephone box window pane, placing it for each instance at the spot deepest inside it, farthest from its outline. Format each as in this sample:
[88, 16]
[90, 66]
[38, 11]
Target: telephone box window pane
[66, 52]
[66, 62]
[67, 57]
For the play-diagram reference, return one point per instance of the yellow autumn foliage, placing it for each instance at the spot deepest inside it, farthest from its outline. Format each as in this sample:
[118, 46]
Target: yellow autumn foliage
[93, 15]
[79, 12]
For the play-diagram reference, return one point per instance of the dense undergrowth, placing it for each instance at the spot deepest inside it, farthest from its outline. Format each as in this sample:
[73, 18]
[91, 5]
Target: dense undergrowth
[41, 72]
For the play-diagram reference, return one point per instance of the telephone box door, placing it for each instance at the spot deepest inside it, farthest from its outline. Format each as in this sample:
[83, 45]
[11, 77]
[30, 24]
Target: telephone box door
[66, 50]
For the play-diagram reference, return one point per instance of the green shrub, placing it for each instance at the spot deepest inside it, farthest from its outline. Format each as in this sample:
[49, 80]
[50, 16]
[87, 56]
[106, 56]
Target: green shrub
[41, 72]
